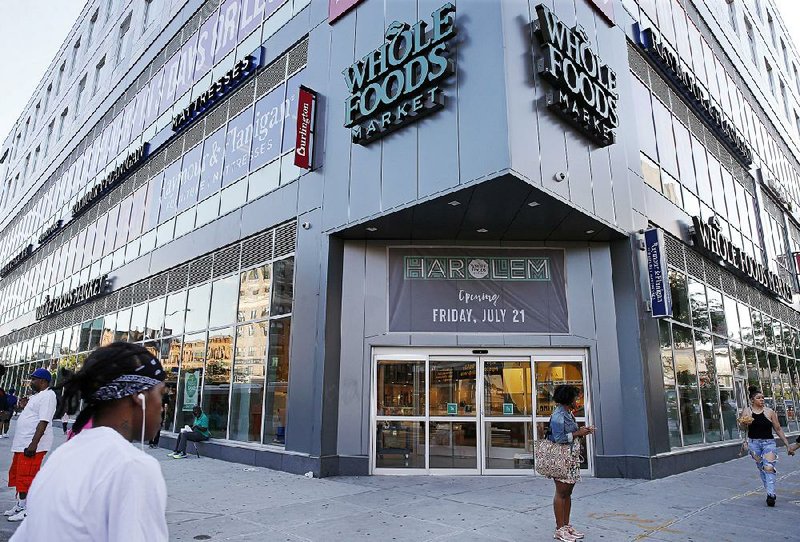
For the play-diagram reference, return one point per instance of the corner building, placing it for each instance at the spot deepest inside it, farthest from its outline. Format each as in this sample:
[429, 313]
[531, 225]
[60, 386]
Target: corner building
[371, 237]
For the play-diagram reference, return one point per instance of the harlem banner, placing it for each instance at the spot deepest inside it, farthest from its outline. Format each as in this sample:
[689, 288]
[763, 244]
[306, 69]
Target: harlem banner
[465, 290]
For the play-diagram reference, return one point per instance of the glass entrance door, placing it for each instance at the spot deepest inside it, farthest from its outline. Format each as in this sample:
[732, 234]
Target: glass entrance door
[451, 414]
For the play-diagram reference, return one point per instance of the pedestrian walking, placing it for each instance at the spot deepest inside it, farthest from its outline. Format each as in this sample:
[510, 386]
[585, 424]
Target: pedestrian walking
[558, 457]
[196, 433]
[760, 421]
[164, 403]
[5, 413]
[97, 486]
[64, 422]
[32, 440]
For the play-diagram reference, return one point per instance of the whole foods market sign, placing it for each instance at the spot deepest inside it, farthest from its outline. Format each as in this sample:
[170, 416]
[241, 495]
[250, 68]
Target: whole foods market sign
[465, 290]
[709, 239]
[400, 81]
[584, 88]
[74, 297]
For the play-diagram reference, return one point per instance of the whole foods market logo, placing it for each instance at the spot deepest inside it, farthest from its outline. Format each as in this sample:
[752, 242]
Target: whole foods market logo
[585, 89]
[522, 269]
[400, 81]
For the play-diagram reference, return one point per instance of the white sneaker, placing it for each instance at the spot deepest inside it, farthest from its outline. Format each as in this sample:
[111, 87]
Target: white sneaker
[13, 511]
[19, 516]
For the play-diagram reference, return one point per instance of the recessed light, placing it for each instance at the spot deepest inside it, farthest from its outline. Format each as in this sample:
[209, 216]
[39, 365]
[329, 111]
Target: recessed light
[534, 204]
[589, 232]
[371, 228]
[482, 230]
[454, 202]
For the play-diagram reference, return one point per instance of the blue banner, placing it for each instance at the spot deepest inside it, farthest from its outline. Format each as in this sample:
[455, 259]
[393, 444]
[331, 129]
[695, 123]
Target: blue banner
[660, 295]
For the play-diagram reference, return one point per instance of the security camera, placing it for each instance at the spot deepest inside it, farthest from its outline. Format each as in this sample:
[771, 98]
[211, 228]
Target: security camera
[560, 176]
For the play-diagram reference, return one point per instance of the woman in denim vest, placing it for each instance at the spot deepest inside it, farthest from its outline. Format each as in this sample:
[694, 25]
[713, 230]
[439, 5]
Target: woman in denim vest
[563, 430]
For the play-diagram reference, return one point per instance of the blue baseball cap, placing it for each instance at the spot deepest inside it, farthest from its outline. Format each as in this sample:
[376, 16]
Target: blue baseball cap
[42, 373]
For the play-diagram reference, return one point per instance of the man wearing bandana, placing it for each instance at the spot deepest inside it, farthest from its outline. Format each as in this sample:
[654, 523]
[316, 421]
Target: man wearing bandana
[98, 486]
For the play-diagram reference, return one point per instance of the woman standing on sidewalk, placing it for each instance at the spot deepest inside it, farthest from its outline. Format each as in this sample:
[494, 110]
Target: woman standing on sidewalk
[97, 486]
[760, 422]
[563, 430]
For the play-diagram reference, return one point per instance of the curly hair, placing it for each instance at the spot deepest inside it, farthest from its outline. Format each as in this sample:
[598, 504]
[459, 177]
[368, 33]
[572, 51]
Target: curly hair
[565, 394]
[103, 365]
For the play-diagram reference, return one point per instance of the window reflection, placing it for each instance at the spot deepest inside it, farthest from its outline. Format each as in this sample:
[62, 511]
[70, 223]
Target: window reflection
[247, 392]
[680, 296]
[191, 378]
[216, 386]
[224, 295]
[277, 382]
[254, 293]
[688, 392]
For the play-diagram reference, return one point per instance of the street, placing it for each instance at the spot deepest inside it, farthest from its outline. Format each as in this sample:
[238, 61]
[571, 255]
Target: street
[214, 500]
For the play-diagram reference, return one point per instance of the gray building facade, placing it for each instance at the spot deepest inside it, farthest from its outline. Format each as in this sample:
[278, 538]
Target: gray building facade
[465, 229]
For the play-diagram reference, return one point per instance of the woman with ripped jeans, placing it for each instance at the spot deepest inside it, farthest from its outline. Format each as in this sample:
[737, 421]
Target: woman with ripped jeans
[760, 422]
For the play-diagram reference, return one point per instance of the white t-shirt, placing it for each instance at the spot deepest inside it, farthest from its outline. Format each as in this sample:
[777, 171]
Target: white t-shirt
[40, 408]
[97, 487]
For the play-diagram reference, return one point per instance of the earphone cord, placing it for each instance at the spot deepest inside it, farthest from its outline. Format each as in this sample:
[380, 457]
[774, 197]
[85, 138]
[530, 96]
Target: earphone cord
[144, 411]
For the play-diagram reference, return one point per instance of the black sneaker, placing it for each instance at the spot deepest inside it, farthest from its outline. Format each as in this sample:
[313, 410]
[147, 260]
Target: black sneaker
[771, 500]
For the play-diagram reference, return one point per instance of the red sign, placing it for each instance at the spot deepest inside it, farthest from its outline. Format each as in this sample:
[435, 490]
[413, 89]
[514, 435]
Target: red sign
[304, 146]
[337, 8]
[604, 8]
[796, 262]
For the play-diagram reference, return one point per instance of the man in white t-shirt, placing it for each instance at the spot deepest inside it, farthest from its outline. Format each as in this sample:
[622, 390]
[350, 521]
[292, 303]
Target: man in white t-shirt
[33, 438]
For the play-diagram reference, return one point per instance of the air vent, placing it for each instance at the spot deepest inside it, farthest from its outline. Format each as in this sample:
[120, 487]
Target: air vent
[140, 292]
[158, 285]
[674, 250]
[728, 283]
[271, 77]
[175, 150]
[194, 135]
[178, 278]
[241, 99]
[285, 239]
[227, 260]
[200, 270]
[216, 118]
[257, 249]
[208, 9]
[126, 297]
[297, 57]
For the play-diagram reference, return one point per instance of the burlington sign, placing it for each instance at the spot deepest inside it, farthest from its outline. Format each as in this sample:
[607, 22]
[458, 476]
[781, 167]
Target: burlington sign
[710, 239]
[585, 89]
[400, 81]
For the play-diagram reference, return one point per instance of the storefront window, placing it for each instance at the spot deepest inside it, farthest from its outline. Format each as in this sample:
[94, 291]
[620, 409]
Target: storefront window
[170, 356]
[197, 307]
[282, 286]
[745, 324]
[191, 378]
[155, 318]
[254, 293]
[401, 388]
[670, 391]
[507, 383]
[688, 392]
[727, 399]
[707, 376]
[716, 312]
[699, 305]
[680, 296]
[217, 381]
[224, 295]
[731, 309]
[176, 312]
[400, 444]
[452, 388]
[138, 322]
[247, 391]
[275, 400]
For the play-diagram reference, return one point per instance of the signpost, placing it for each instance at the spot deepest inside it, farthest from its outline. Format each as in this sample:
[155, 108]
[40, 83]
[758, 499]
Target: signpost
[660, 295]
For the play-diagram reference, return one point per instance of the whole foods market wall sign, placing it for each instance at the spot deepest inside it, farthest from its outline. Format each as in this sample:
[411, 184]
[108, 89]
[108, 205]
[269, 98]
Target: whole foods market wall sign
[400, 81]
[584, 88]
[465, 290]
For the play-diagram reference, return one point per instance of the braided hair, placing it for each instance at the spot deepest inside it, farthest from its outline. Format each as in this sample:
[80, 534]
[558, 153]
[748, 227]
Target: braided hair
[104, 365]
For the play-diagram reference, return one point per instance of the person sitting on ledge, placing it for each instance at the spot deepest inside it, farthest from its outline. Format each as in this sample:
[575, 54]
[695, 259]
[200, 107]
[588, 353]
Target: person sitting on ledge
[197, 433]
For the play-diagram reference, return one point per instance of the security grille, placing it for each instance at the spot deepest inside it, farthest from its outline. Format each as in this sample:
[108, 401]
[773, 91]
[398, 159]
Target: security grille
[158, 285]
[126, 296]
[227, 260]
[216, 118]
[297, 57]
[174, 44]
[242, 98]
[194, 135]
[178, 278]
[674, 250]
[728, 283]
[285, 239]
[175, 150]
[208, 9]
[271, 77]
[257, 249]
[200, 270]
[140, 292]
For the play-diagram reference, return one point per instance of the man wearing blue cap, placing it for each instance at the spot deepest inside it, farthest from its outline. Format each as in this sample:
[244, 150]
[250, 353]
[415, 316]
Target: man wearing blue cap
[33, 438]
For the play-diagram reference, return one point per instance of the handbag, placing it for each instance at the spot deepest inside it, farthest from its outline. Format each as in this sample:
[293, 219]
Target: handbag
[558, 461]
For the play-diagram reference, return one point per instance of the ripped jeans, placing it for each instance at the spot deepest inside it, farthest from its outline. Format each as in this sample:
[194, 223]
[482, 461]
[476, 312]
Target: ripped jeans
[764, 452]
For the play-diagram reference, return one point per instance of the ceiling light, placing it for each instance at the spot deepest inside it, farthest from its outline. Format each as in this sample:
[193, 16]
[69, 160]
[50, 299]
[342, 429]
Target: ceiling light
[482, 230]
[589, 232]
[534, 204]
[372, 228]
[454, 202]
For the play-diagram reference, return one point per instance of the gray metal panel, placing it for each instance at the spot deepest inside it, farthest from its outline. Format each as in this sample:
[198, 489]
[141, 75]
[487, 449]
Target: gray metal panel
[521, 92]
[337, 138]
[274, 208]
[376, 283]
[608, 379]
[579, 292]
[482, 118]
[400, 151]
[354, 386]
[580, 176]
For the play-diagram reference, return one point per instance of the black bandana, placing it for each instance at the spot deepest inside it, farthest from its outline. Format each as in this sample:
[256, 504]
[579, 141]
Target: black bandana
[146, 376]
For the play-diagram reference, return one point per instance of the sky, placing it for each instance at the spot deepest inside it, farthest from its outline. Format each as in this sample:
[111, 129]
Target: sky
[32, 31]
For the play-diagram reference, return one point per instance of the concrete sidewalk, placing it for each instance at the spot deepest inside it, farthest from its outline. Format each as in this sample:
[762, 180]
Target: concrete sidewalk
[214, 500]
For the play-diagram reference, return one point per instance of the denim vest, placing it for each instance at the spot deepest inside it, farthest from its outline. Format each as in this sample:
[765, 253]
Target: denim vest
[562, 425]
